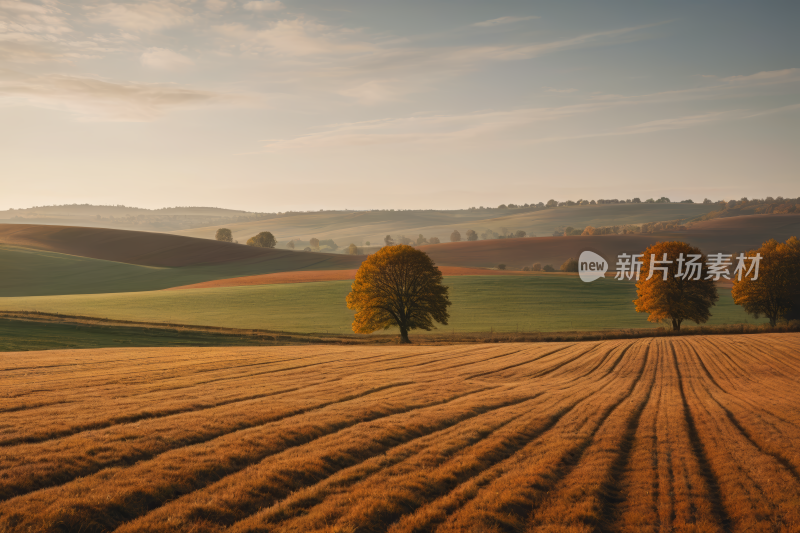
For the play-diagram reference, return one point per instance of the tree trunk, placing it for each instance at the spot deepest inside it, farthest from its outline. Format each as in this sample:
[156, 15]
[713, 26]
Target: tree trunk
[404, 336]
[773, 321]
[676, 324]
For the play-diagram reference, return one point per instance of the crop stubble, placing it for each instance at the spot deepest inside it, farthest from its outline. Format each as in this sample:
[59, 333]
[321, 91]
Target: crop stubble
[670, 434]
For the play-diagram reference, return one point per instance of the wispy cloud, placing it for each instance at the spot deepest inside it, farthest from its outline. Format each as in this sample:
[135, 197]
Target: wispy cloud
[369, 69]
[30, 33]
[216, 5]
[497, 125]
[432, 129]
[98, 99]
[263, 5]
[675, 123]
[164, 59]
[294, 37]
[767, 76]
[142, 16]
[502, 20]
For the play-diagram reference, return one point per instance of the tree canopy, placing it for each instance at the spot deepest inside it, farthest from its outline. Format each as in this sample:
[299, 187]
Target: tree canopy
[455, 236]
[224, 234]
[472, 235]
[775, 293]
[570, 265]
[264, 239]
[398, 286]
[675, 292]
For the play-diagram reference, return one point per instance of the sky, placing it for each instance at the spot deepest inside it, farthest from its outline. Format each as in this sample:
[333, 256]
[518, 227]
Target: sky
[276, 105]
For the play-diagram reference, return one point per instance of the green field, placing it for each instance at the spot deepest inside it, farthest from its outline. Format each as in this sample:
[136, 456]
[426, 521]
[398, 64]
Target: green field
[480, 303]
[27, 272]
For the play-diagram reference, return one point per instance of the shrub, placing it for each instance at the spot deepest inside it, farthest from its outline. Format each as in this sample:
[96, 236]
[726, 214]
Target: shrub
[264, 239]
[501, 266]
[526, 269]
[224, 235]
[570, 265]
[548, 268]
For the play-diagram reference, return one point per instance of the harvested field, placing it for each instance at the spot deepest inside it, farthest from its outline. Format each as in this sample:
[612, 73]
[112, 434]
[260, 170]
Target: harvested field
[335, 275]
[669, 434]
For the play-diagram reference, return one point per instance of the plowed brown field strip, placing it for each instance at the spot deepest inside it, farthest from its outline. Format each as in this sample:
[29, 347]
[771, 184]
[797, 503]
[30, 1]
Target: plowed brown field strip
[308, 276]
[671, 434]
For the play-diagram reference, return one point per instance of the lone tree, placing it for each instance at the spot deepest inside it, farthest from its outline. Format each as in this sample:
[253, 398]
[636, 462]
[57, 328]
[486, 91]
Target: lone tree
[471, 235]
[676, 291]
[775, 293]
[455, 236]
[398, 286]
[264, 239]
[388, 240]
[314, 242]
[224, 234]
[352, 249]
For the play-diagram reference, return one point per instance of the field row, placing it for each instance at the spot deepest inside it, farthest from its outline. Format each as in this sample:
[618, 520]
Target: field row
[673, 434]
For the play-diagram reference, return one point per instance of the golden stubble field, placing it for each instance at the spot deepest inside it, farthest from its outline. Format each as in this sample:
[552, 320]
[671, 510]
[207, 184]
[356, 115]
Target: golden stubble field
[674, 434]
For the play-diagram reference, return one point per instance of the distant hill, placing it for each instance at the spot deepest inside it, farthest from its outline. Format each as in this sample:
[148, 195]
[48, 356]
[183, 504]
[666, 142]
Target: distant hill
[372, 226]
[124, 217]
[723, 235]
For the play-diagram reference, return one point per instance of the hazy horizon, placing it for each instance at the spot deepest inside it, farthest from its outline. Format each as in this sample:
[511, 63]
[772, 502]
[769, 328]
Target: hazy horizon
[280, 105]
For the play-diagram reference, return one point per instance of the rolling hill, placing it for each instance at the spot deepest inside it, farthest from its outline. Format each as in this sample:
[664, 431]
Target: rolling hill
[143, 248]
[724, 235]
[362, 226]
[49, 260]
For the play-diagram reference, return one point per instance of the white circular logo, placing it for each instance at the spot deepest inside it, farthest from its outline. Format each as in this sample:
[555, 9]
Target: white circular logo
[591, 266]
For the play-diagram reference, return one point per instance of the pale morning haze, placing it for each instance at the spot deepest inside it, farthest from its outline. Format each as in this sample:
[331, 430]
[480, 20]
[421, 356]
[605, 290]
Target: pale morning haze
[275, 105]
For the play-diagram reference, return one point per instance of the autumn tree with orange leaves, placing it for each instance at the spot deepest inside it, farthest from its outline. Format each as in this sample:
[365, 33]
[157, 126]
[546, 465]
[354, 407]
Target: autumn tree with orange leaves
[676, 291]
[775, 291]
[398, 286]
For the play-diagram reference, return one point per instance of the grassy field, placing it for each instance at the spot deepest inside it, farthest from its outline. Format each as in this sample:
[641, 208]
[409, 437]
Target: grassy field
[695, 434]
[27, 272]
[547, 302]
